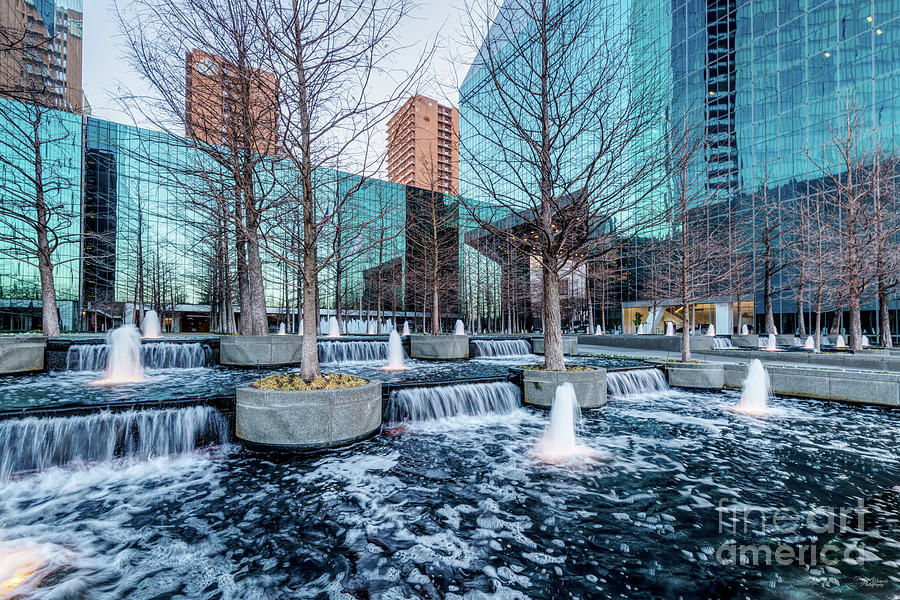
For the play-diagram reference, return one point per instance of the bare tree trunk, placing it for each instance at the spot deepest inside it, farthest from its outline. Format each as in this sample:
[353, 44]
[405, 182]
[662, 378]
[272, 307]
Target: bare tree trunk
[257, 293]
[49, 314]
[767, 301]
[553, 351]
[884, 314]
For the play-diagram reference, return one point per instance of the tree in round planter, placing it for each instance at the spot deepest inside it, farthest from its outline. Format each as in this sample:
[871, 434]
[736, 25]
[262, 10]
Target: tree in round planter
[286, 411]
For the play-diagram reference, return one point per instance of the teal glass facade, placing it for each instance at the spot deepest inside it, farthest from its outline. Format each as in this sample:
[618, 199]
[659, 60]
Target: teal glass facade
[771, 79]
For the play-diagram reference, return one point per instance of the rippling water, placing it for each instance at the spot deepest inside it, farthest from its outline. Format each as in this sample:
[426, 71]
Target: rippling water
[456, 508]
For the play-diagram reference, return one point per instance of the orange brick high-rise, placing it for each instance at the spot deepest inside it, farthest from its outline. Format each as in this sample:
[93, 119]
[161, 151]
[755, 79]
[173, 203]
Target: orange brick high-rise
[423, 146]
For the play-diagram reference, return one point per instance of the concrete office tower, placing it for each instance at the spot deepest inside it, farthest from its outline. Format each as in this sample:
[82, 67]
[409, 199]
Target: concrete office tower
[423, 146]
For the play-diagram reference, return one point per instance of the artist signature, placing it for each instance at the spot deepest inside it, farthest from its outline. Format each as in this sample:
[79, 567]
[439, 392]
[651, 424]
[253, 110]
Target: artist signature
[871, 582]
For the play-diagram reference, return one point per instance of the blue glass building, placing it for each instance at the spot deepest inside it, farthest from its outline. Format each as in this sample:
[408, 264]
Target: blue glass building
[771, 79]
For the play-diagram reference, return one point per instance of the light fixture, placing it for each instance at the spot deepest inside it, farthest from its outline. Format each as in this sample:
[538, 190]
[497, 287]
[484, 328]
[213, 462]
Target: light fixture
[869, 18]
[878, 32]
[827, 54]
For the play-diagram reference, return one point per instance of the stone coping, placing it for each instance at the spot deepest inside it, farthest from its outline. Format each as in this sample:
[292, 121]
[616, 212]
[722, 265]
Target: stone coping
[260, 350]
[663, 343]
[308, 420]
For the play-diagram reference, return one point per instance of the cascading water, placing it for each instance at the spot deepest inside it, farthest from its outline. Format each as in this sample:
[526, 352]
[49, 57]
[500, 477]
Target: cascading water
[722, 343]
[459, 329]
[158, 355]
[497, 348]
[865, 341]
[442, 402]
[24, 563]
[755, 394]
[352, 351]
[396, 354]
[150, 325]
[334, 330]
[633, 382]
[35, 444]
[559, 442]
[123, 363]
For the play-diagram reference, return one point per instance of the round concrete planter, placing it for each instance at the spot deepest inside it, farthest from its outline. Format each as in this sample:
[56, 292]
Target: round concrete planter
[539, 387]
[308, 420]
[439, 347]
[707, 376]
[260, 350]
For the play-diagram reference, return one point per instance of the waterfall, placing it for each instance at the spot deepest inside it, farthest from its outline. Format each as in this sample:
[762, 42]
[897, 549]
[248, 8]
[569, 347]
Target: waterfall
[494, 348]
[722, 343]
[429, 403]
[157, 355]
[634, 382]
[343, 352]
[34, 444]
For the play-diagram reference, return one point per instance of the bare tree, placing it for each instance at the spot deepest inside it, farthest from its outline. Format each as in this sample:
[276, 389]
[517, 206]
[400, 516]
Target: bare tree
[817, 255]
[227, 105]
[39, 204]
[698, 249]
[769, 213]
[884, 230]
[562, 121]
[326, 55]
[848, 184]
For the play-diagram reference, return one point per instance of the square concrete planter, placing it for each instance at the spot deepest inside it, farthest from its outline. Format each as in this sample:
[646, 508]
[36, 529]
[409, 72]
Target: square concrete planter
[570, 345]
[307, 420]
[750, 340]
[260, 350]
[539, 387]
[439, 347]
[21, 355]
[706, 376]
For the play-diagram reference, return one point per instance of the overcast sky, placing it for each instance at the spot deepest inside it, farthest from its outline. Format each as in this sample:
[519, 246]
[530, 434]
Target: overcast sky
[106, 72]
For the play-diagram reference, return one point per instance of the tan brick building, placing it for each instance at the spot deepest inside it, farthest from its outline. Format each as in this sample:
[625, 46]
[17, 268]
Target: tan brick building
[41, 43]
[423, 146]
[214, 105]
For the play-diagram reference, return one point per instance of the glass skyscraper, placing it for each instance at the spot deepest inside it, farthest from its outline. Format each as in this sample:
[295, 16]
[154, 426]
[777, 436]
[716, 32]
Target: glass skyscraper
[771, 79]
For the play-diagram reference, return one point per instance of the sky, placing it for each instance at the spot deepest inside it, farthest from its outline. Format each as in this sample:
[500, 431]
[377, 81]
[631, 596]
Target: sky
[106, 72]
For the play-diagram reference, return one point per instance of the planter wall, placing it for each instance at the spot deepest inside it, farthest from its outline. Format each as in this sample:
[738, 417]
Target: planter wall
[439, 347]
[21, 355]
[570, 345]
[824, 384]
[308, 420]
[662, 343]
[539, 387]
[260, 350]
[704, 376]
[750, 340]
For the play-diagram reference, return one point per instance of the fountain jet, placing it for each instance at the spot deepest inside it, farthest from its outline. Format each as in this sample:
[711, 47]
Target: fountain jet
[598, 331]
[151, 326]
[745, 330]
[711, 331]
[865, 341]
[670, 328]
[810, 343]
[124, 357]
[839, 342]
[334, 330]
[460, 328]
[405, 328]
[755, 394]
[771, 345]
[281, 329]
[559, 443]
[395, 353]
